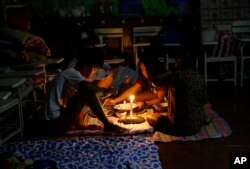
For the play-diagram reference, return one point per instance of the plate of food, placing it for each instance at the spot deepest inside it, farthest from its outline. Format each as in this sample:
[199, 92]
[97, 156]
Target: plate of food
[124, 106]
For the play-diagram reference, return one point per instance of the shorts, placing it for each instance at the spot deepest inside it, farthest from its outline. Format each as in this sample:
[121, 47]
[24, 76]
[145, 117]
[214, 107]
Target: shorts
[86, 119]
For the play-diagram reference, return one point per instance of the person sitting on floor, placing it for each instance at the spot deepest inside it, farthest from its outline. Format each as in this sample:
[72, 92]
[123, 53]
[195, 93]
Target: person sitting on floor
[144, 89]
[119, 78]
[186, 101]
[65, 108]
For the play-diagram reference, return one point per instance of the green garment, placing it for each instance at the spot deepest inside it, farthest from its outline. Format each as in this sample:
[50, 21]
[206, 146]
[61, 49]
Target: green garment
[9, 161]
[157, 8]
[55, 4]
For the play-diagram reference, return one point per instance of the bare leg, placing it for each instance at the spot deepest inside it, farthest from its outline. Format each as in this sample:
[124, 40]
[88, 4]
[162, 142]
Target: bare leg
[86, 96]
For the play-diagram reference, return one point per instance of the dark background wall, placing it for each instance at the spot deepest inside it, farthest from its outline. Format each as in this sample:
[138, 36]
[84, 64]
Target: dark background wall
[224, 11]
[54, 20]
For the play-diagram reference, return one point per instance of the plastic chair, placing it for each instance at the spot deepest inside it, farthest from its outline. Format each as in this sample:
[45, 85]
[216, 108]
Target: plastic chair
[219, 52]
[108, 33]
[241, 30]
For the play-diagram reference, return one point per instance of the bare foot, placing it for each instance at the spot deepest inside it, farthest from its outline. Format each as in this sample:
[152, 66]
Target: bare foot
[114, 128]
[208, 109]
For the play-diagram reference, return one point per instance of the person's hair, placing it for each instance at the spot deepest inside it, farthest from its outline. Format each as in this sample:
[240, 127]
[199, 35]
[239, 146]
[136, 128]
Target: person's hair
[185, 60]
[89, 57]
[150, 58]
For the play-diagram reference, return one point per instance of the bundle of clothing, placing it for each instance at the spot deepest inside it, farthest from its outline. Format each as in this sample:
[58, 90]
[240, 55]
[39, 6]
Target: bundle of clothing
[30, 48]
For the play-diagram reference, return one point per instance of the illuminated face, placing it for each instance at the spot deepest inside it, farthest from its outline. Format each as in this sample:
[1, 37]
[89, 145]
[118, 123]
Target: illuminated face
[143, 70]
[106, 81]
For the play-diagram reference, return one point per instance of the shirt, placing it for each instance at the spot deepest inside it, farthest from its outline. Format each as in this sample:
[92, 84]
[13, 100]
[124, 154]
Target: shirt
[62, 88]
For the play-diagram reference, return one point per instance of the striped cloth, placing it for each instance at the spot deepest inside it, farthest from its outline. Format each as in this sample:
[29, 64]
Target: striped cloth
[217, 128]
[227, 45]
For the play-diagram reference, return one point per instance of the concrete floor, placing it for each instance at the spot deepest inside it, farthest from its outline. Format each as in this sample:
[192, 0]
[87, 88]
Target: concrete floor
[232, 103]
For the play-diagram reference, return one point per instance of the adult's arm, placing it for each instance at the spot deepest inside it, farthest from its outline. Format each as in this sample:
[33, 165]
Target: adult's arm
[130, 91]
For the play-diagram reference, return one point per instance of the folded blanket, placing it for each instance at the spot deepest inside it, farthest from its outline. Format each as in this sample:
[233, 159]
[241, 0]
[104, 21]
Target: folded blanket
[142, 128]
[27, 41]
[216, 128]
[15, 36]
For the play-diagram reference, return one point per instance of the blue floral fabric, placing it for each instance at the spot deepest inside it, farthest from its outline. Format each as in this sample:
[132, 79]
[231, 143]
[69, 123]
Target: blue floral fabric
[89, 152]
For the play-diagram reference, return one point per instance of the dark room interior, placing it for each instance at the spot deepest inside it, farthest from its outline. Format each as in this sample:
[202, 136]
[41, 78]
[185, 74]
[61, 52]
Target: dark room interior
[37, 40]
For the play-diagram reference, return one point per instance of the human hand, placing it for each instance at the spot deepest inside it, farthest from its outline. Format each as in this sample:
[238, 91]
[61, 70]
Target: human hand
[111, 91]
[140, 104]
[108, 93]
[158, 108]
[109, 102]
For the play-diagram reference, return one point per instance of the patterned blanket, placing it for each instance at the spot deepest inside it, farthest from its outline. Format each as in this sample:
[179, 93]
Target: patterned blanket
[87, 152]
[102, 151]
[218, 127]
